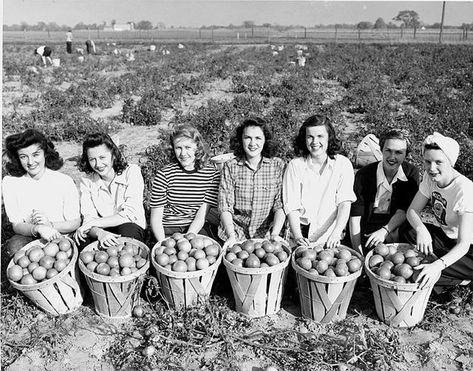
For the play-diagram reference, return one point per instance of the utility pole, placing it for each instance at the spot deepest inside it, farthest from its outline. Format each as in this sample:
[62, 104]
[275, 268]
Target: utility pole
[441, 22]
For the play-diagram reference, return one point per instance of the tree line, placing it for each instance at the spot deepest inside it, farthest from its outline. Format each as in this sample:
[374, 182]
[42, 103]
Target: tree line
[404, 19]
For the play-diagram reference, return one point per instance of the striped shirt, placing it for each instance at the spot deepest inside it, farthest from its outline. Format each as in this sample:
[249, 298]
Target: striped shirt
[252, 197]
[182, 192]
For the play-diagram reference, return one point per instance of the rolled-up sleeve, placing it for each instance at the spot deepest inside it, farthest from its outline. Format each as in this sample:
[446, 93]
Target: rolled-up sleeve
[291, 189]
[226, 192]
[71, 205]
[345, 191]
[133, 204]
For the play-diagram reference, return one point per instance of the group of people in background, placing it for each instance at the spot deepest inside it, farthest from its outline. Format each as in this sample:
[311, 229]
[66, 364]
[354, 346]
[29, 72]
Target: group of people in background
[45, 51]
[316, 198]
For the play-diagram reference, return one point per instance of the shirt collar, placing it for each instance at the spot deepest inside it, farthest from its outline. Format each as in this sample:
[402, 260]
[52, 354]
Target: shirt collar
[381, 177]
[241, 161]
[330, 162]
[119, 179]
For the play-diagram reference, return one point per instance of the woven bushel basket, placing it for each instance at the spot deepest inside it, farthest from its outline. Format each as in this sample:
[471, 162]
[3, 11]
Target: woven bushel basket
[186, 289]
[398, 304]
[325, 299]
[116, 296]
[258, 291]
[60, 294]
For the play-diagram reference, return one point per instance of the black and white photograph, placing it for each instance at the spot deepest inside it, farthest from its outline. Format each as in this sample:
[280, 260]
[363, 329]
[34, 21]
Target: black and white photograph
[241, 185]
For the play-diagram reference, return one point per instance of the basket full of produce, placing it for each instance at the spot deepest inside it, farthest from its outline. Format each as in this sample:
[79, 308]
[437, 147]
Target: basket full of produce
[399, 300]
[186, 266]
[257, 270]
[45, 272]
[114, 275]
[326, 279]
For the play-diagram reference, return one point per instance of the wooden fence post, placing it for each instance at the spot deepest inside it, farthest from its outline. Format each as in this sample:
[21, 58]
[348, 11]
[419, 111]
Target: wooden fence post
[252, 31]
[305, 32]
[336, 32]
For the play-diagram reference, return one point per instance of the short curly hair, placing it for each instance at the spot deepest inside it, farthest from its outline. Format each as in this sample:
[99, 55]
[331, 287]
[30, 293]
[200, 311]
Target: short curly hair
[95, 140]
[400, 134]
[334, 144]
[190, 132]
[236, 141]
[18, 141]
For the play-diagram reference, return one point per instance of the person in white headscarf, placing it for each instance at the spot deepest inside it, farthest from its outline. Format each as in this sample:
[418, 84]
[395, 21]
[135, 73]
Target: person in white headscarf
[451, 197]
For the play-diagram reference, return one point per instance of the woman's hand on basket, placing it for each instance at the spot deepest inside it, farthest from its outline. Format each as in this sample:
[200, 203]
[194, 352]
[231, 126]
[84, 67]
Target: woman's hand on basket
[376, 237]
[302, 241]
[81, 233]
[106, 238]
[230, 242]
[333, 240]
[47, 232]
[429, 273]
[424, 241]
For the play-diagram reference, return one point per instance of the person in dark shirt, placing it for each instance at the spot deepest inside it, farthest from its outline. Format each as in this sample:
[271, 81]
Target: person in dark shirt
[384, 191]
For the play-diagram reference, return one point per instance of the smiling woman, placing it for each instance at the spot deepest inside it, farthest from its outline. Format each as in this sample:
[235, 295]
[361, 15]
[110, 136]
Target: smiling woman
[39, 200]
[250, 189]
[184, 190]
[111, 195]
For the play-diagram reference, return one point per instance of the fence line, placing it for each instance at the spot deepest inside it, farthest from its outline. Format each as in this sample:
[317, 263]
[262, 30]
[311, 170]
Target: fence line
[249, 35]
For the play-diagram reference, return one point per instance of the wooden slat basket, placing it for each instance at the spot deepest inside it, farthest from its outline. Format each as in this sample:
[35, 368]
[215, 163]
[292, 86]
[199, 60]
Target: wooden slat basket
[186, 289]
[325, 299]
[115, 297]
[398, 304]
[258, 291]
[60, 294]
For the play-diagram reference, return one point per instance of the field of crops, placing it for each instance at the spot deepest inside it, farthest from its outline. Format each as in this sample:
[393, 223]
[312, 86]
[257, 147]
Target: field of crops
[138, 94]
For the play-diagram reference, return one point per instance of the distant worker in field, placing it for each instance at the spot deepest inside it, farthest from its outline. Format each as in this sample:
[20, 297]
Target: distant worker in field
[384, 191]
[90, 47]
[45, 53]
[69, 42]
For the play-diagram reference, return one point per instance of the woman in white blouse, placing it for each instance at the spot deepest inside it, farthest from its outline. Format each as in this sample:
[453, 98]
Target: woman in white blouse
[40, 201]
[318, 185]
[111, 196]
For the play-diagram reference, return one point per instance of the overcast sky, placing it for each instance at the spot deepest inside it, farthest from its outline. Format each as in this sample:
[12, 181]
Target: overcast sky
[196, 13]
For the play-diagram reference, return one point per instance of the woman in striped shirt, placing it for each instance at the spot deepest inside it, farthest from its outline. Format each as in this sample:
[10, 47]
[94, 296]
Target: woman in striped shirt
[184, 190]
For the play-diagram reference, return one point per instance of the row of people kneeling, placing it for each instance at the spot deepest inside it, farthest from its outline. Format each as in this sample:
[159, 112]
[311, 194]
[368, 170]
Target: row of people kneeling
[317, 193]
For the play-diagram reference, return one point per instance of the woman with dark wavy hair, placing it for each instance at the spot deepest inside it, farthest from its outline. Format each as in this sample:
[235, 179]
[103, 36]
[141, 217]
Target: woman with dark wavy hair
[111, 195]
[318, 185]
[39, 200]
[250, 200]
[184, 190]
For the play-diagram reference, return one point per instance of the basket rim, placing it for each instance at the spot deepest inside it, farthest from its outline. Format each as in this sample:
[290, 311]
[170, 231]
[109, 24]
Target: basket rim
[116, 279]
[49, 281]
[193, 274]
[324, 279]
[388, 283]
[257, 271]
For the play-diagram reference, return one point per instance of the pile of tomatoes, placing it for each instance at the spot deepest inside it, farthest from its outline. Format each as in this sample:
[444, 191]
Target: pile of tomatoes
[338, 262]
[390, 263]
[256, 254]
[120, 260]
[39, 263]
[186, 252]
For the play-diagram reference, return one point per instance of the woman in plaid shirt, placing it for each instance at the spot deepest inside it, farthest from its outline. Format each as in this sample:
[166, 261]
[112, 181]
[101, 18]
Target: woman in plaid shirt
[249, 199]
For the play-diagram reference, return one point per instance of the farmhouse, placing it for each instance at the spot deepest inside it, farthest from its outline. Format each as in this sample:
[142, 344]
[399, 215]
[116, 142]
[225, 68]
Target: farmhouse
[129, 26]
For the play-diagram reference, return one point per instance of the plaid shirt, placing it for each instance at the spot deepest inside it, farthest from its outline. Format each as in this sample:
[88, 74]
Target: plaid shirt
[252, 197]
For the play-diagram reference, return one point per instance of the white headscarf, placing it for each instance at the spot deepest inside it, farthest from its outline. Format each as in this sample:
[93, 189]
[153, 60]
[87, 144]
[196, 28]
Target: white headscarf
[449, 146]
